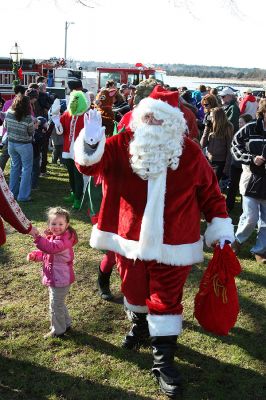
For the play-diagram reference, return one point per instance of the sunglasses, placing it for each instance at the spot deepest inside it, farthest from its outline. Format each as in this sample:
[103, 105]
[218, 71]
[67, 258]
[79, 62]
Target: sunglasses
[206, 105]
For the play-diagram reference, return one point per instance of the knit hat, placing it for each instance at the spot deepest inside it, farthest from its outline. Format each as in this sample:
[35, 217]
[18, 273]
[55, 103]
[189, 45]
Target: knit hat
[159, 93]
[42, 121]
[78, 103]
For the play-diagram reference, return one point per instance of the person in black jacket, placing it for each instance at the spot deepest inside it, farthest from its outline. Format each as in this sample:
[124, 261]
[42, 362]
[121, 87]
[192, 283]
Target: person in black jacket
[38, 140]
[120, 107]
[249, 147]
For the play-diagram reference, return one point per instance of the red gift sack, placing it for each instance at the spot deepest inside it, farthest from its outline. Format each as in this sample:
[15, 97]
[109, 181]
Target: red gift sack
[216, 304]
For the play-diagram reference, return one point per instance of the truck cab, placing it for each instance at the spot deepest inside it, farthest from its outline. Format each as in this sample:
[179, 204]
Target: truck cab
[132, 76]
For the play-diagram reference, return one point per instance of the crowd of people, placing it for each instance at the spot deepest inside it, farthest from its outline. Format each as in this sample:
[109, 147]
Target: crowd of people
[157, 160]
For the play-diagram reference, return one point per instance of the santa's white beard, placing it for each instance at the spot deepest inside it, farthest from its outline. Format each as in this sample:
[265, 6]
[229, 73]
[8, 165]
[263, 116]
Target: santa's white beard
[154, 148]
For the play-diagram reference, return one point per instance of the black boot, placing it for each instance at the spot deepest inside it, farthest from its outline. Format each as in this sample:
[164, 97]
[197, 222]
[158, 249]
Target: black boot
[166, 373]
[139, 332]
[103, 283]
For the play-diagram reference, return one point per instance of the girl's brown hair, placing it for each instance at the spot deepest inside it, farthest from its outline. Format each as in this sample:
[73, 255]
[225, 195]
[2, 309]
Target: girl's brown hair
[21, 106]
[261, 109]
[211, 100]
[221, 127]
[61, 212]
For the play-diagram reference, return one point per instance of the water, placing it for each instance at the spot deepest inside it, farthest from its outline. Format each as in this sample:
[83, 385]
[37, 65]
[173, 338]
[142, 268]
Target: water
[193, 83]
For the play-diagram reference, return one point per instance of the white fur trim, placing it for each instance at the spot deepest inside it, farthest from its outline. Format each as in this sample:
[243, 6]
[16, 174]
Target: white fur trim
[85, 155]
[135, 308]
[151, 232]
[177, 255]
[219, 228]
[160, 109]
[165, 325]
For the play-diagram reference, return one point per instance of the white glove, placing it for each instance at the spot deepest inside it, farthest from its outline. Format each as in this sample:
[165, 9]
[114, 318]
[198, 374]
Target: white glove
[57, 124]
[55, 108]
[223, 241]
[94, 131]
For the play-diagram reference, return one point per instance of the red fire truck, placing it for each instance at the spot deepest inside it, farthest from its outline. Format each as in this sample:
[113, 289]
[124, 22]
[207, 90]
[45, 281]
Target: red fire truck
[54, 70]
[132, 76]
[30, 70]
[58, 74]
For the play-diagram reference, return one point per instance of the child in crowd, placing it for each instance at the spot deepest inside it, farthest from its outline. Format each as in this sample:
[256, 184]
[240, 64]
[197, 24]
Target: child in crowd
[55, 250]
[55, 130]
[40, 129]
[57, 142]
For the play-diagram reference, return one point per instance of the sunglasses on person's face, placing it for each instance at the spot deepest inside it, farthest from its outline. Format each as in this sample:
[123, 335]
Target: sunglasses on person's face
[206, 105]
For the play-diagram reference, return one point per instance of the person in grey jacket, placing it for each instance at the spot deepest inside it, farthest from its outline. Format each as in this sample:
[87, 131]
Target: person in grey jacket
[20, 128]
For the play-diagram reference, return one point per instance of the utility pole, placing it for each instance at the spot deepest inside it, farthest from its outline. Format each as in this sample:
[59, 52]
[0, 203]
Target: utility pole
[67, 24]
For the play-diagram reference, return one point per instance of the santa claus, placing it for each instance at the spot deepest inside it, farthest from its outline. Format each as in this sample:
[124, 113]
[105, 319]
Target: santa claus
[157, 183]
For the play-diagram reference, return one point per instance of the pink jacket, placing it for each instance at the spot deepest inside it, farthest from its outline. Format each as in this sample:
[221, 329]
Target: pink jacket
[57, 255]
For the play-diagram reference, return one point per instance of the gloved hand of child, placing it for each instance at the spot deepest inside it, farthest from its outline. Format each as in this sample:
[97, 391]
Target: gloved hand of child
[31, 257]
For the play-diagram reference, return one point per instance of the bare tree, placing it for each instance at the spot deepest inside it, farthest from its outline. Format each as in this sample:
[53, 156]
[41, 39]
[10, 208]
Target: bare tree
[85, 3]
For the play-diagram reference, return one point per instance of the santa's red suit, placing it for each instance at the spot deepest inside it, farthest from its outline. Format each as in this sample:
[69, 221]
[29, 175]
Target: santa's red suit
[153, 225]
[10, 211]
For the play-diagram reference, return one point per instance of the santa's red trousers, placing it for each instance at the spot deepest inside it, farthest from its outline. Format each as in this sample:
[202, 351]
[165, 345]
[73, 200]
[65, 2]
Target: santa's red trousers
[108, 261]
[155, 285]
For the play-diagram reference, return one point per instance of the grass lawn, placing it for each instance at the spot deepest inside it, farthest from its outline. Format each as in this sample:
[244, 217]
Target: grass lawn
[89, 363]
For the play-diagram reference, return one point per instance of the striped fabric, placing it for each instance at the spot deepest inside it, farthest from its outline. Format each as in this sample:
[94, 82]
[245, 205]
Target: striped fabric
[19, 131]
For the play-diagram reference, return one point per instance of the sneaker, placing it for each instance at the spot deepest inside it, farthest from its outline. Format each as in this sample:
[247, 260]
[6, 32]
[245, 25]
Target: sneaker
[260, 258]
[76, 204]
[52, 335]
[70, 198]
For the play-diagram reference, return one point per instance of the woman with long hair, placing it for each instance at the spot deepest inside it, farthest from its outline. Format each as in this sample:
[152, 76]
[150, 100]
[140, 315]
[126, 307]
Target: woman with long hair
[208, 102]
[218, 142]
[20, 129]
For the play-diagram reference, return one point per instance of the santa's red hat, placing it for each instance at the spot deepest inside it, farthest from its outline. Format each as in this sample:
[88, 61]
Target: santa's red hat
[159, 93]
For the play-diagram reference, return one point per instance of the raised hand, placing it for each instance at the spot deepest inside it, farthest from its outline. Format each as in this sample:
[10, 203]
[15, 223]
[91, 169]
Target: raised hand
[94, 131]
[54, 115]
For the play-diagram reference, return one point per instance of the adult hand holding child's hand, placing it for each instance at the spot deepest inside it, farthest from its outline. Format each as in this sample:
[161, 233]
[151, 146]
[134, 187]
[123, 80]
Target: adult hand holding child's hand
[34, 232]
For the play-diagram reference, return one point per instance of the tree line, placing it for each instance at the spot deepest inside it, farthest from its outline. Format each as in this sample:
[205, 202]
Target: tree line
[201, 71]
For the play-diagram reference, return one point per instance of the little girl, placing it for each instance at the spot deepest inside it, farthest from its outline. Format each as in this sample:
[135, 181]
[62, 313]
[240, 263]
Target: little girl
[56, 253]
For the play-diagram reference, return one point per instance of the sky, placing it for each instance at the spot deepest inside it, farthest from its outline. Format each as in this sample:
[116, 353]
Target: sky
[200, 32]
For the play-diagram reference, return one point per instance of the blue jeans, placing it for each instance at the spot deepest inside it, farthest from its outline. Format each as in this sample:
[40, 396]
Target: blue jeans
[21, 155]
[254, 212]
